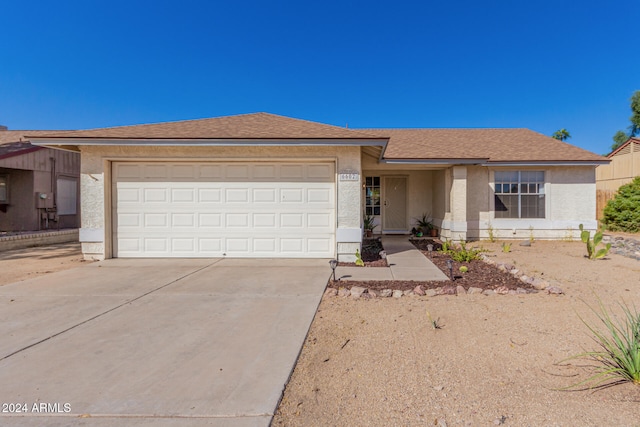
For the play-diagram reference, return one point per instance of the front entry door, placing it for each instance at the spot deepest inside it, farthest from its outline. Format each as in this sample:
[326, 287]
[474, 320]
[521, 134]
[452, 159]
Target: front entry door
[394, 218]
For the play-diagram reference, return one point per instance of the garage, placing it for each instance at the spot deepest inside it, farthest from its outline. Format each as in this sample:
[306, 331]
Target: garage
[218, 209]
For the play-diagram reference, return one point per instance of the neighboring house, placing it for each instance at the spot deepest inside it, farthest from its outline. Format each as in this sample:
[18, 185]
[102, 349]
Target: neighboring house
[261, 185]
[624, 166]
[38, 186]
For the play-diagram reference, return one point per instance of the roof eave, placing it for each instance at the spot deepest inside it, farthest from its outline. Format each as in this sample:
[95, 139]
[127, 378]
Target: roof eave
[205, 142]
[434, 161]
[548, 163]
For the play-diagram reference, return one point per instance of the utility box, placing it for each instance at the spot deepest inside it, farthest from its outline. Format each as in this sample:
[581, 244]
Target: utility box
[44, 200]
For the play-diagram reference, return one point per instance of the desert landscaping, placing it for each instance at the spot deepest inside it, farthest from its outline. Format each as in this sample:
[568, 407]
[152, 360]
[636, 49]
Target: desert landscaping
[494, 360]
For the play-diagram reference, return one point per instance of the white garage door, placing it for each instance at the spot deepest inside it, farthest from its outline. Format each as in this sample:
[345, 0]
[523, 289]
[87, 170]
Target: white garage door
[224, 209]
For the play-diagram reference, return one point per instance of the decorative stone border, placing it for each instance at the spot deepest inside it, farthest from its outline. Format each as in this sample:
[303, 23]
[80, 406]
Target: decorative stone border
[359, 292]
[26, 240]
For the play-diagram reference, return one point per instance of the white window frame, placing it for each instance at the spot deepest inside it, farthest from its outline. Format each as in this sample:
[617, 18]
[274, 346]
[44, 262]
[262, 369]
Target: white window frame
[541, 192]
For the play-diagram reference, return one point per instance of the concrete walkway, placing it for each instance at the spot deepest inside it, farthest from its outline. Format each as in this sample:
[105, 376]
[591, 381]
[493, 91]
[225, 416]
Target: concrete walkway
[405, 263]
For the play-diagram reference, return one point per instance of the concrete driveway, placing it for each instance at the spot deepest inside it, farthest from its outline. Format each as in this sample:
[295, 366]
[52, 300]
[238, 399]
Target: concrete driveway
[155, 342]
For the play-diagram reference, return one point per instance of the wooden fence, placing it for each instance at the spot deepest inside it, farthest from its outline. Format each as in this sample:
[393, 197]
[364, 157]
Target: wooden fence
[602, 197]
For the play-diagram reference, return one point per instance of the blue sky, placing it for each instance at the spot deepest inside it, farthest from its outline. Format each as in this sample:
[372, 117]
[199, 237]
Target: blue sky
[542, 65]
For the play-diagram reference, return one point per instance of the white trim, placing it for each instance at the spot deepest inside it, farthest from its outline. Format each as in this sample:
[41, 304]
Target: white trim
[444, 162]
[547, 163]
[206, 142]
[91, 235]
[349, 235]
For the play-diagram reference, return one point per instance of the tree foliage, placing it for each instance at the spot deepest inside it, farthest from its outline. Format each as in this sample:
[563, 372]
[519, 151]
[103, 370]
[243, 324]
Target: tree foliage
[634, 129]
[622, 213]
[561, 135]
[620, 138]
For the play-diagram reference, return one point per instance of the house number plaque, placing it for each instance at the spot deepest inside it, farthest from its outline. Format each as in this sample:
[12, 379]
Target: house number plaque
[348, 176]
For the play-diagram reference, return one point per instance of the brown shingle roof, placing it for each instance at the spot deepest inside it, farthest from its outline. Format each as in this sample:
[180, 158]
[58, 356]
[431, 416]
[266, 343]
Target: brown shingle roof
[8, 136]
[244, 126]
[495, 145]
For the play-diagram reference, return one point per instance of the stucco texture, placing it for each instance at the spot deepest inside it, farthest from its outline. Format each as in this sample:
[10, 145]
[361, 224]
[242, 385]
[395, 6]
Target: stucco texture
[96, 181]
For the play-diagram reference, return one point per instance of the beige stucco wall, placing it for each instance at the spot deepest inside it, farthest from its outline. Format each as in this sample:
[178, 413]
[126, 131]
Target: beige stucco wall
[420, 188]
[570, 200]
[95, 233]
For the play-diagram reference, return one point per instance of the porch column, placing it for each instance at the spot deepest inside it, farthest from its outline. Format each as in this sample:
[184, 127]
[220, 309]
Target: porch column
[458, 203]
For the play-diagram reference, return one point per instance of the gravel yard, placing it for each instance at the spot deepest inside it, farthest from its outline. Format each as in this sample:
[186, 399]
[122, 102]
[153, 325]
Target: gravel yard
[494, 361]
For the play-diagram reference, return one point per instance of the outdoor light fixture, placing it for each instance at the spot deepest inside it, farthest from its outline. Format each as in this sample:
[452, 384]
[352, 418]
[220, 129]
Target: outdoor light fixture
[430, 249]
[450, 267]
[333, 263]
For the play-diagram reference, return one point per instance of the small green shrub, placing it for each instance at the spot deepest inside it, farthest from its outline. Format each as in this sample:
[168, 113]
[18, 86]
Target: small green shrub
[435, 324]
[531, 237]
[618, 359]
[463, 269]
[461, 253]
[568, 235]
[446, 246]
[622, 213]
[506, 247]
[592, 245]
[491, 232]
[359, 261]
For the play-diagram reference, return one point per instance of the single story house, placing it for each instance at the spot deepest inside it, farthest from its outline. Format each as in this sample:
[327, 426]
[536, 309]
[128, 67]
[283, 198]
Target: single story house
[262, 185]
[624, 166]
[39, 187]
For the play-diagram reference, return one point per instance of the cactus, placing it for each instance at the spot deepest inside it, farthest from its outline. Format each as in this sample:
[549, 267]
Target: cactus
[592, 245]
[359, 261]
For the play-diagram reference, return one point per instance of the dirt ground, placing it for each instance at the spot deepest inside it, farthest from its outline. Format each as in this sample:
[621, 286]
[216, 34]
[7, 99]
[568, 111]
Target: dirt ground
[22, 264]
[495, 361]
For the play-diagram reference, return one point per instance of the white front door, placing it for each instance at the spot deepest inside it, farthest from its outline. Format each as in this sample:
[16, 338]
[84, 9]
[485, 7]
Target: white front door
[216, 209]
[394, 213]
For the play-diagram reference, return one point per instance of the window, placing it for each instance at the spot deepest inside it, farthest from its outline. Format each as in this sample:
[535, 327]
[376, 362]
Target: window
[66, 199]
[4, 188]
[519, 194]
[372, 194]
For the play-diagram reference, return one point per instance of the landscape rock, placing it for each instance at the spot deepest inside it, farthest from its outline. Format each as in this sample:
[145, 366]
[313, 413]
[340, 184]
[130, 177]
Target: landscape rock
[525, 243]
[502, 267]
[331, 292]
[502, 290]
[521, 291]
[625, 246]
[540, 284]
[357, 291]
[554, 290]
[418, 290]
[373, 293]
[474, 290]
[524, 278]
[344, 292]
[431, 292]
[448, 290]
[397, 293]
[488, 292]
[460, 290]
[386, 293]
[515, 272]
